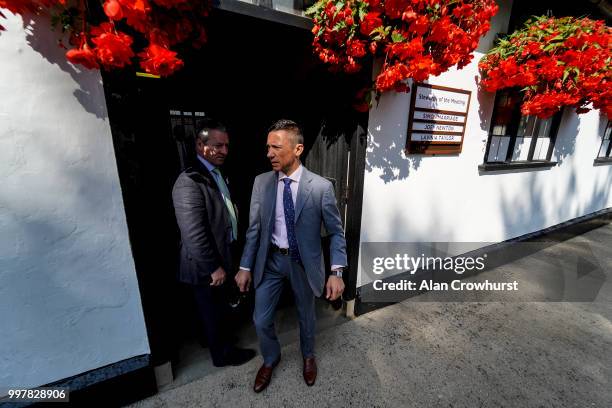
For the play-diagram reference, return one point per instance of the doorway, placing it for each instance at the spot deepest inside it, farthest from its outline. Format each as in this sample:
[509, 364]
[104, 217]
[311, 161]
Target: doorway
[251, 73]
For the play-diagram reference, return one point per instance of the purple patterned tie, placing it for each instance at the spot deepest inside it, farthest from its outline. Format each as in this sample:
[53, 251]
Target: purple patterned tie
[290, 220]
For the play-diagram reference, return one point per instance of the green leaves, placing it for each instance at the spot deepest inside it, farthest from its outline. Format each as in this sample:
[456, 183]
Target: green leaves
[315, 8]
[381, 33]
[339, 26]
[362, 11]
[397, 37]
[65, 19]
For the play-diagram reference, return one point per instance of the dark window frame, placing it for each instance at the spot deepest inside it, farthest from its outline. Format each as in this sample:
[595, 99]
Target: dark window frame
[607, 157]
[512, 133]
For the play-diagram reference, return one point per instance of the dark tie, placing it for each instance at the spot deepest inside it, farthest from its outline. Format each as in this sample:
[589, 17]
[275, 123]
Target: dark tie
[290, 221]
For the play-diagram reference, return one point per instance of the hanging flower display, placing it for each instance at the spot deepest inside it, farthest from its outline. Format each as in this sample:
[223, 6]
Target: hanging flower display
[417, 38]
[156, 25]
[556, 62]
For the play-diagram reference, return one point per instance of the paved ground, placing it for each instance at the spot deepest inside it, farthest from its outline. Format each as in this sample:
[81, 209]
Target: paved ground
[442, 354]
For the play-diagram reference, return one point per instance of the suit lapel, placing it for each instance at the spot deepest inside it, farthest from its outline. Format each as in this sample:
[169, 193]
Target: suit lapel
[270, 201]
[200, 168]
[304, 189]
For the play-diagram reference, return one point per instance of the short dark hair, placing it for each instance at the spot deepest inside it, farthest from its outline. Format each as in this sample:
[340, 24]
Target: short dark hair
[291, 126]
[205, 126]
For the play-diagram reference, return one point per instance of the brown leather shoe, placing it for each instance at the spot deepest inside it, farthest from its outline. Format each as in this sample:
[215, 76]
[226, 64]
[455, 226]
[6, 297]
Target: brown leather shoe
[264, 375]
[310, 371]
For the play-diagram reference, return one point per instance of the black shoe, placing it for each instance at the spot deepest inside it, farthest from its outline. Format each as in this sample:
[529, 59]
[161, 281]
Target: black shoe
[336, 304]
[237, 356]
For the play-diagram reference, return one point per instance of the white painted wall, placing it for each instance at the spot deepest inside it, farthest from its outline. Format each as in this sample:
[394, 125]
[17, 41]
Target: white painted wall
[69, 300]
[419, 198]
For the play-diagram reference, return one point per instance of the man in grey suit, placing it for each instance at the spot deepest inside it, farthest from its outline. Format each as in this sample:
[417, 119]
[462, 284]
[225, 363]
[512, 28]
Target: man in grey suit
[206, 217]
[283, 242]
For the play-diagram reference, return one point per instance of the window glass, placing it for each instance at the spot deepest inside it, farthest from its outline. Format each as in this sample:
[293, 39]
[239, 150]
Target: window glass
[499, 148]
[604, 150]
[521, 148]
[526, 138]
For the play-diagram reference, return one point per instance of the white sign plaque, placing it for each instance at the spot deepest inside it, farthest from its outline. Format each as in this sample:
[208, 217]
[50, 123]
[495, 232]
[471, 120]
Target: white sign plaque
[437, 121]
[435, 137]
[431, 98]
[442, 117]
[436, 127]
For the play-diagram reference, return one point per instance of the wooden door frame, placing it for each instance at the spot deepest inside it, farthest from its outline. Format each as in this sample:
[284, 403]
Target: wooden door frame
[354, 205]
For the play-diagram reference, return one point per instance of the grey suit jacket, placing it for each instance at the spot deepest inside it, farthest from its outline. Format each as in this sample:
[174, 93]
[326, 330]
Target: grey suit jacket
[315, 204]
[206, 230]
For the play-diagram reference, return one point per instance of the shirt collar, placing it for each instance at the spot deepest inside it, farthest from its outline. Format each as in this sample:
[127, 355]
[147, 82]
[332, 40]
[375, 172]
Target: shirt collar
[295, 176]
[209, 166]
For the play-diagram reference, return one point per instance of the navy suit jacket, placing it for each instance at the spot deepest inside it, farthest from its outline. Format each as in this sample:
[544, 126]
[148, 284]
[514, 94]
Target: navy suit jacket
[315, 205]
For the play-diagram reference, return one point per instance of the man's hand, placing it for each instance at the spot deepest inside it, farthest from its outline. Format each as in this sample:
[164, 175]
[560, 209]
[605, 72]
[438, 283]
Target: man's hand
[243, 280]
[334, 287]
[218, 277]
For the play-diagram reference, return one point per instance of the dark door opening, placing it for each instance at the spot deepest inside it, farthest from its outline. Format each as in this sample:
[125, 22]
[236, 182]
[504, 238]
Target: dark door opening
[251, 73]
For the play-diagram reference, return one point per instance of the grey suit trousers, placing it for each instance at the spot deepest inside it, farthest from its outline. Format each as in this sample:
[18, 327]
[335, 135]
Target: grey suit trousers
[278, 269]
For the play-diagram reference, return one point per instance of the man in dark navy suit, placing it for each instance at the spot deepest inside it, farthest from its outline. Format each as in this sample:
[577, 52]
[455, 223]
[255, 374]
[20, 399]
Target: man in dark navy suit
[207, 219]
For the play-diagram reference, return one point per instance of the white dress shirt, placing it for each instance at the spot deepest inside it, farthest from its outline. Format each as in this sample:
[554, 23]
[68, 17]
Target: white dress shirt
[279, 233]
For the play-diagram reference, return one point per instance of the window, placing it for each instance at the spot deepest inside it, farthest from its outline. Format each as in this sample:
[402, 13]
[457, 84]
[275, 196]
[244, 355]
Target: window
[516, 140]
[603, 155]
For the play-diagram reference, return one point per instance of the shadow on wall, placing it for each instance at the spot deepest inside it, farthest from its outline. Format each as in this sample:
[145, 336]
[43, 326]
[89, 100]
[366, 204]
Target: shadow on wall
[565, 145]
[387, 153]
[531, 210]
[45, 41]
[78, 218]
[538, 203]
[68, 268]
[486, 100]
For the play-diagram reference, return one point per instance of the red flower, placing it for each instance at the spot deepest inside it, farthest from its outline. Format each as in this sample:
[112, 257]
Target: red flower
[418, 38]
[166, 23]
[113, 48]
[406, 50]
[374, 4]
[373, 46]
[137, 13]
[420, 26]
[370, 22]
[159, 60]
[395, 8]
[82, 56]
[464, 11]
[356, 48]
[440, 30]
[574, 72]
[113, 10]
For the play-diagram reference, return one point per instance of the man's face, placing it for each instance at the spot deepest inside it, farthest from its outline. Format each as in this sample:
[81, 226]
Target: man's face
[283, 153]
[216, 148]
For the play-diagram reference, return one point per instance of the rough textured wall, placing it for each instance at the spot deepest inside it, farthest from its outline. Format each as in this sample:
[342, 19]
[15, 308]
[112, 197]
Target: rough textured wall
[69, 300]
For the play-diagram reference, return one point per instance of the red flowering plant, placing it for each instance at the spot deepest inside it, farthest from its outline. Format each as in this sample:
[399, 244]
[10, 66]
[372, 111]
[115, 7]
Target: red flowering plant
[556, 62]
[417, 38]
[156, 25]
